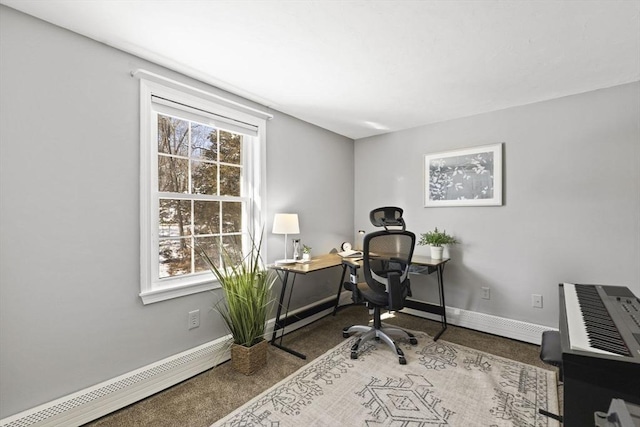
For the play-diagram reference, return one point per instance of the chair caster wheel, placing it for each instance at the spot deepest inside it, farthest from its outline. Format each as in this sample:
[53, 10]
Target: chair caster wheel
[401, 359]
[354, 355]
[413, 341]
[345, 335]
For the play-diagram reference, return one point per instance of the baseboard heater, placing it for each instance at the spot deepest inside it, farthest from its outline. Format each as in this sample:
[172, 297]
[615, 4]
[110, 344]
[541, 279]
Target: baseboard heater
[94, 402]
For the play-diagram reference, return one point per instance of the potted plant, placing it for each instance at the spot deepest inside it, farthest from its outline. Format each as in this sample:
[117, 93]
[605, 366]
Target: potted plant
[435, 239]
[246, 285]
[306, 253]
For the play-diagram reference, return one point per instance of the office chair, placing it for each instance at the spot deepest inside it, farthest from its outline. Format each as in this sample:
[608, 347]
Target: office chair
[386, 261]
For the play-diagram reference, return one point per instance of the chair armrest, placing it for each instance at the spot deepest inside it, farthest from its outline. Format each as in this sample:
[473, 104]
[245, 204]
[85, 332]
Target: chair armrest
[396, 298]
[356, 295]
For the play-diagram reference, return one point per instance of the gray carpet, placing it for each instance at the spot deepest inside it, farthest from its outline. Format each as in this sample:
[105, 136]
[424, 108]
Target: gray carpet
[210, 396]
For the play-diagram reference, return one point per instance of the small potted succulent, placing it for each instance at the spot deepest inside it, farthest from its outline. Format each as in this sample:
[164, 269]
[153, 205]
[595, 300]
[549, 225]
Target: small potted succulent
[306, 253]
[436, 239]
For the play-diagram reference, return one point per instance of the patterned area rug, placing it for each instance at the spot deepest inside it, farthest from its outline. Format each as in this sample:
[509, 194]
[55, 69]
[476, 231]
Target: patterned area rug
[442, 384]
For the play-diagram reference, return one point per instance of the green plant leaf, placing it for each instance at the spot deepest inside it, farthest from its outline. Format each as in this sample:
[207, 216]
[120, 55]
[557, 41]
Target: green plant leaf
[437, 238]
[247, 288]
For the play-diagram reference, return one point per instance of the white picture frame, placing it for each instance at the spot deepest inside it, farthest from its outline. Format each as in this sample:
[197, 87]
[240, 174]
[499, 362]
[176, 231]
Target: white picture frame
[464, 177]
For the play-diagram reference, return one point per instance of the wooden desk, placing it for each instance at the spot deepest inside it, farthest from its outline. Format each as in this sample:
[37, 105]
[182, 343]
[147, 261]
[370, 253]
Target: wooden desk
[420, 265]
[319, 263]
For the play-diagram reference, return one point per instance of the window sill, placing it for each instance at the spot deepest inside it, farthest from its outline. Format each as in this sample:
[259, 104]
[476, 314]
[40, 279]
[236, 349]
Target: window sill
[164, 293]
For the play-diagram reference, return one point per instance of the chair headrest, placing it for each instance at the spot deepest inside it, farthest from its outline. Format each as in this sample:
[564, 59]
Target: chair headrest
[388, 216]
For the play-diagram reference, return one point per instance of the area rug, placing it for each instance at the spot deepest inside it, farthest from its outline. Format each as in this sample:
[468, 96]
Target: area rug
[442, 384]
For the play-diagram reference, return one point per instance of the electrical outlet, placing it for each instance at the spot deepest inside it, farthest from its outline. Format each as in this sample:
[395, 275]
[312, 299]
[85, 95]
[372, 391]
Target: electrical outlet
[536, 300]
[486, 293]
[194, 319]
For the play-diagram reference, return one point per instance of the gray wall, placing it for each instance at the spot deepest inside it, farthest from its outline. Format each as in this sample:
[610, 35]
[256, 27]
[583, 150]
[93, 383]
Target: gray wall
[572, 200]
[310, 171]
[70, 315]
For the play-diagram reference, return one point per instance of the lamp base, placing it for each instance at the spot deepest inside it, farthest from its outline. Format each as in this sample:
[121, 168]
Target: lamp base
[286, 261]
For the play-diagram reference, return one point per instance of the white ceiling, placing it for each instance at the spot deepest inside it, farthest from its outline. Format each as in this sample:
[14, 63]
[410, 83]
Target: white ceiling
[362, 68]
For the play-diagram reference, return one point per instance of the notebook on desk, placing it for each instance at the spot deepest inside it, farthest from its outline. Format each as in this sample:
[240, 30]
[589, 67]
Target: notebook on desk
[351, 254]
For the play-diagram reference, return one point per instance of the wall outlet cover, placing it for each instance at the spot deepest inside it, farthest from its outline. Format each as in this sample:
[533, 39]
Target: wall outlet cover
[194, 319]
[536, 300]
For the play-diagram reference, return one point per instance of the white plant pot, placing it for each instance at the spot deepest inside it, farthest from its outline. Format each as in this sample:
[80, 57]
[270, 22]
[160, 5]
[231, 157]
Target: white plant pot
[306, 257]
[436, 252]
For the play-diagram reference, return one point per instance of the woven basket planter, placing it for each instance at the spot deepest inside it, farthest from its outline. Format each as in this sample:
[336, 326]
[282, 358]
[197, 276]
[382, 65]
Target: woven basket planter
[248, 360]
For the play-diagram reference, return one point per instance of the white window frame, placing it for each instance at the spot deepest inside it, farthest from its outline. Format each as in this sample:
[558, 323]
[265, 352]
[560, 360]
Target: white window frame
[153, 289]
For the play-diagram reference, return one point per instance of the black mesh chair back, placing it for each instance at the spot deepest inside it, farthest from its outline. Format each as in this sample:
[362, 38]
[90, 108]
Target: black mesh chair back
[388, 216]
[386, 261]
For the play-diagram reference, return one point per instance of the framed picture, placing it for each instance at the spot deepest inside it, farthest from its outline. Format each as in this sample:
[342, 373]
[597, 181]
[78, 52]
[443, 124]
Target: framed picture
[465, 177]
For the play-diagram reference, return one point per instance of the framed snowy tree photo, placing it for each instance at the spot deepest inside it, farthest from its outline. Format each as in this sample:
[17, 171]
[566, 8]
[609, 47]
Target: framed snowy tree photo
[465, 177]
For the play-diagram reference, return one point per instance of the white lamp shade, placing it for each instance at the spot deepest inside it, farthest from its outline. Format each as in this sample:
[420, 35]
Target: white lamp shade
[285, 223]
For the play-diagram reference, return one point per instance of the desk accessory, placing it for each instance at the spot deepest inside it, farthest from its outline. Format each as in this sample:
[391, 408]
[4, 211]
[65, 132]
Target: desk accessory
[361, 234]
[286, 223]
[350, 253]
[436, 239]
[296, 249]
[306, 253]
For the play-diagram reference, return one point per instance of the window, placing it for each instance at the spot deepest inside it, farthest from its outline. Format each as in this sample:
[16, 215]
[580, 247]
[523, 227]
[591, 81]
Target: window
[201, 171]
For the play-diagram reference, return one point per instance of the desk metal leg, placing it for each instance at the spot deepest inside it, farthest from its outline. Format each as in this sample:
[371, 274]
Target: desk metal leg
[443, 316]
[344, 271]
[278, 324]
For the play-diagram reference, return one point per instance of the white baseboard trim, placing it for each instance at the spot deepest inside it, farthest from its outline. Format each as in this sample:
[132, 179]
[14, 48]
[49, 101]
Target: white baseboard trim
[501, 326]
[94, 402]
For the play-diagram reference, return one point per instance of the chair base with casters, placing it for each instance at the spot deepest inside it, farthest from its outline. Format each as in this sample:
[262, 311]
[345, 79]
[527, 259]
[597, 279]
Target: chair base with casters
[380, 332]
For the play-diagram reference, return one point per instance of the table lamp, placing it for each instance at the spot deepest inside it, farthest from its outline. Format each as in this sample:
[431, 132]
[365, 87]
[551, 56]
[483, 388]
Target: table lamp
[285, 223]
